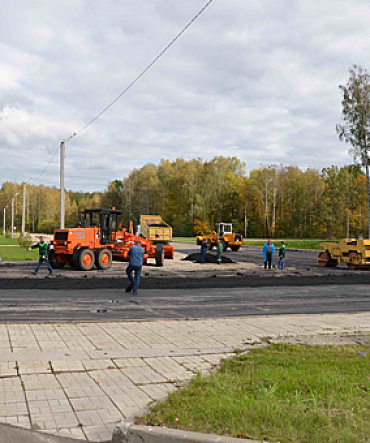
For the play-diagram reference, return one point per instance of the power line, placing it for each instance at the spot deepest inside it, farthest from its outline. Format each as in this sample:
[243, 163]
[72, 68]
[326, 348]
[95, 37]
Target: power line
[46, 167]
[129, 86]
[142, 73]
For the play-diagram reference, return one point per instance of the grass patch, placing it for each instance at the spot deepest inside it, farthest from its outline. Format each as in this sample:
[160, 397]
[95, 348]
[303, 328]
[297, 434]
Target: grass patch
[189, 239]
[8, 241]
[293, 244]
[281, 393]
[9, 253]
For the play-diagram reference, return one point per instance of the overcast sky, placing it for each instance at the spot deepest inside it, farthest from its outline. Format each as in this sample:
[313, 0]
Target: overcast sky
[257, 79]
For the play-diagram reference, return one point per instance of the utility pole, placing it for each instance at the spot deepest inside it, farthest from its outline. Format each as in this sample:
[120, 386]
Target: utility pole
[4, 218]
[12, 223]
[24, 209]
[62, 152]
[13, 214]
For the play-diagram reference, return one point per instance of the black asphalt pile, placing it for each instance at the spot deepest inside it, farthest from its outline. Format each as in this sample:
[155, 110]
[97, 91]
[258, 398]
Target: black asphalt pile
[210, 258]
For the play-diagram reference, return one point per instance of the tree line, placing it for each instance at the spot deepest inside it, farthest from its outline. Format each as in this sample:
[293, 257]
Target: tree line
[273, 201]
[42, 206]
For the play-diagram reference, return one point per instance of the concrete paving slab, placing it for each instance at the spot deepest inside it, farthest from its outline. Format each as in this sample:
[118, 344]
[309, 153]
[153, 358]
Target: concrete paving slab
[34, 367]
[80, 380]
[8, 369]
[67, 366]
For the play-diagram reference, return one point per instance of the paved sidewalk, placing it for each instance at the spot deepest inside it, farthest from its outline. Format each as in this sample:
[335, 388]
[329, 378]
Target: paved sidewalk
[78, 380]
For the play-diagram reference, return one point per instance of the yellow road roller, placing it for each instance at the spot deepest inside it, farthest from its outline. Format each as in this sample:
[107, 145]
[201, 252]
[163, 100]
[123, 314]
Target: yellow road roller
[354, 252]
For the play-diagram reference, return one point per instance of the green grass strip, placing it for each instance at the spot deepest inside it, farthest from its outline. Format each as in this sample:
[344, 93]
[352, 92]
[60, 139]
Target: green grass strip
[281, 393]
[292, 244]
[10, 253]
[8, 241]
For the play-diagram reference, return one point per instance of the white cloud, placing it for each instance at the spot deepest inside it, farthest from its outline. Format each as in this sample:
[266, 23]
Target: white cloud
[254, 79]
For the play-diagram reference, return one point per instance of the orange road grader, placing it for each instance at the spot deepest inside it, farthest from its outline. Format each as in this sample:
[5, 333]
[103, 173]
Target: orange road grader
[98, 240]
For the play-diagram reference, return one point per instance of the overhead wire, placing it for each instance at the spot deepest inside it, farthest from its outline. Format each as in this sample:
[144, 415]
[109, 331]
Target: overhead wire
[46, 167]
[142, 73]
[129, 86]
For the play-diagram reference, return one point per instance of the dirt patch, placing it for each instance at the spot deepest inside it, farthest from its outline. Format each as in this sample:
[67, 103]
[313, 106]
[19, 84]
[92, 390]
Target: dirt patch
[328, 339]
[210, 258]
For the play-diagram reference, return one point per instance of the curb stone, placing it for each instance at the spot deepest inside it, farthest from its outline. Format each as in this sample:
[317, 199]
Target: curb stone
[128, 432]
[15, 434]
[11, 264]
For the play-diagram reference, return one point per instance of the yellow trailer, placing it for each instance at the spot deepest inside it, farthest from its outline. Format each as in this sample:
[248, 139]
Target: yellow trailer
[354, 252]
[155, 229]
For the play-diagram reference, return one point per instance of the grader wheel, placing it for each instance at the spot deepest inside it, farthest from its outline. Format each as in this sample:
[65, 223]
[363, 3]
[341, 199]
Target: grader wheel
[103, 259]
[53, 261]
[86, 260]
[159, 255]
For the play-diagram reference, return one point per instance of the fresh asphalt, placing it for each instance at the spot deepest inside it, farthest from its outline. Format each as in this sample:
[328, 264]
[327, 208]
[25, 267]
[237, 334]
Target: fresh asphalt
[214, 295]
[29, 305]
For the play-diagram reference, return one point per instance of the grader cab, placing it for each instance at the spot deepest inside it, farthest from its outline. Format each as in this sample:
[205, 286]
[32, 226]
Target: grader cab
[354, 252]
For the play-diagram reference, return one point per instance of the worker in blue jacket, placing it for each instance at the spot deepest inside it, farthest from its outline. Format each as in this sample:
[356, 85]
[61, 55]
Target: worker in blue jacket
[136, 254]
[268, 253]
[203, 250]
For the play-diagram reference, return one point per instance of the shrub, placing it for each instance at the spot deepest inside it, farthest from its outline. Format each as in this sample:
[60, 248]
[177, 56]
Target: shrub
[25, 241]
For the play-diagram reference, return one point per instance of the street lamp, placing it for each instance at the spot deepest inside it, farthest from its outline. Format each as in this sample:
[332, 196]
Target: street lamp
[13, 214]
[4, 218]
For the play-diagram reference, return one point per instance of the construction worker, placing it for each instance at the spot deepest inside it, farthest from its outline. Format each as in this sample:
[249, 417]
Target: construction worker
[203, 250]
[281, 255]
[220, 250]
[43, 255]
[268, 253]
[136, 254]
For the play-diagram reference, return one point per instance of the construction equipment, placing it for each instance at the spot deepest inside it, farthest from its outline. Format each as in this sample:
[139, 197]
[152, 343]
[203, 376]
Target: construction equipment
[123, 241]
[354, 252]
[156, 230]
[98, 240]
[225, 235]
[88, 245]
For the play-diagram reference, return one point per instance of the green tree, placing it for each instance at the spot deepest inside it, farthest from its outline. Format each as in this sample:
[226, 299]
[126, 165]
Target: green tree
[356, 116]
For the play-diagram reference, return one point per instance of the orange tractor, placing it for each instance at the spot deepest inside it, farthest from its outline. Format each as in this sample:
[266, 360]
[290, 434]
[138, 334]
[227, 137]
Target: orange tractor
[96, 241]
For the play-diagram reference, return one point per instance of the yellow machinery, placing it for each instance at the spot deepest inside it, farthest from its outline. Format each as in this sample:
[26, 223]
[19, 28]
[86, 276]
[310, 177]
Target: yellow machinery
[225, 234]
[157, 231]
[354, 252]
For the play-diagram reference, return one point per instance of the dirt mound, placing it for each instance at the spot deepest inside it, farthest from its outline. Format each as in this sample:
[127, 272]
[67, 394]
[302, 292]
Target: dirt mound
[210, 258]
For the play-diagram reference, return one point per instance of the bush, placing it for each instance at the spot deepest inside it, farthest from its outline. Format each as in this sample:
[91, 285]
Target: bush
[25, 241]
